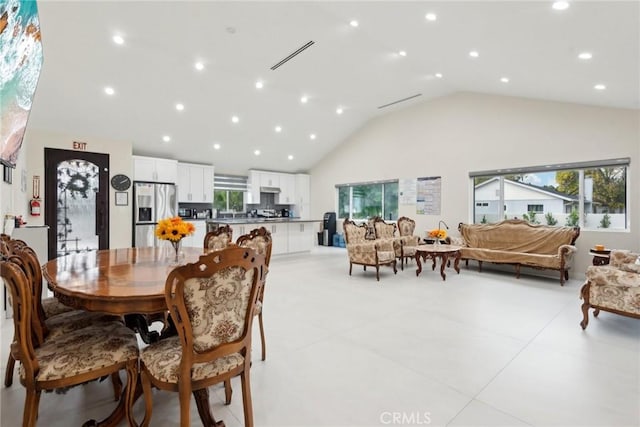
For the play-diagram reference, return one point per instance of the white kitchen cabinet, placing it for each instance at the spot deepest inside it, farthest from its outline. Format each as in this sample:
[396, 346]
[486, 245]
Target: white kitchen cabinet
[279, 236]
[269, 179]
[302, 189]
[195, 183]
[302, 202]
[154, 169]
[287, 193]
[253, 184]
[301, 236]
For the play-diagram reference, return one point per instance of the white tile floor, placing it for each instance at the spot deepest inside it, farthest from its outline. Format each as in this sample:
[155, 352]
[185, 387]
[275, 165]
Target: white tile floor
[481, 349]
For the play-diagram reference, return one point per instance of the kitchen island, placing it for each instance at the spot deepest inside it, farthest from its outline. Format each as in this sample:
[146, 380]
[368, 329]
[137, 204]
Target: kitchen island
[289, 235]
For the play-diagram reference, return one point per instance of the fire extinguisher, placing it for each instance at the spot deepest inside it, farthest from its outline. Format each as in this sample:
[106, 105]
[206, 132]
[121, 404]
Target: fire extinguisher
[34, 204]
[34, 207]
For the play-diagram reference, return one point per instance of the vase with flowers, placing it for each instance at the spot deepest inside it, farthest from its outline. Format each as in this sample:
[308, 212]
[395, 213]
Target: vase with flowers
[437, 234]
[174, 229]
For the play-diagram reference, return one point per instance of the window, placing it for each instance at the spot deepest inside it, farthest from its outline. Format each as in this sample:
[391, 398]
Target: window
[592, 195]
[228, 193]
[363, 201]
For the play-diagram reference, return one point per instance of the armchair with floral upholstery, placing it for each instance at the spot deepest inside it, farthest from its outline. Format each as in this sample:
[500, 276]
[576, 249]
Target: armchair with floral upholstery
[367, 252]
[614, 288]
[387, 232]
[408, 241]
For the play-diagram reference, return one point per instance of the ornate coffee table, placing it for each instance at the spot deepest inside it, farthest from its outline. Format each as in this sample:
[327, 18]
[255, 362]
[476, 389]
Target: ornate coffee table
[438, 251]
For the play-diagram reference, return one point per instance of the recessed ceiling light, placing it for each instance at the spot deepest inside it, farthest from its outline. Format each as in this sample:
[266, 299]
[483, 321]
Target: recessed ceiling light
[290, 157]
[474, 54]
[354, 23]
[504, 79]
[599, 86]
[585, 55]
[278, 129]
[439, 75]
[402, 53]
[259, 84]
[304, 99]
[118, 39]
[235, 119]
[560, 5]
[339, 110]
[166, 138]
[431, 16]
[216, 146]
[179, 107]
[109, 90]
[199, 66]
[312, 136]
[256, 152]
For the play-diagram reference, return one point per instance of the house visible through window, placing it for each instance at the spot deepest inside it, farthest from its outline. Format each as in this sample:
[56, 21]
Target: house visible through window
[228, 193]
[592, 195]
[366, 200]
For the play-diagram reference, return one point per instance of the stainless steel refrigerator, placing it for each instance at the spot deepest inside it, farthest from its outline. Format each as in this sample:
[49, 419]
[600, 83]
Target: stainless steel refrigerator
[151, 203]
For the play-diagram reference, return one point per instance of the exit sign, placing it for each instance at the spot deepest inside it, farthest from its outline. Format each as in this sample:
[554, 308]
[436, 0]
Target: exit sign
[79, 145]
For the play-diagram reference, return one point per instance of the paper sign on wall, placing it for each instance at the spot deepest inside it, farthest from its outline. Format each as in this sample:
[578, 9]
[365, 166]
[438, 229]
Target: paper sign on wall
[429, 195]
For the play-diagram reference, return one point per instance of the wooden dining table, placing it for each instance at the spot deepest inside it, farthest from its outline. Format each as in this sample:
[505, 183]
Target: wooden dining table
[127, 282]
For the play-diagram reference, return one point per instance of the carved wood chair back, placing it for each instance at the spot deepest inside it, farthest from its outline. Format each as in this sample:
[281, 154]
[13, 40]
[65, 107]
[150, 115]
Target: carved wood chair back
[219, 238]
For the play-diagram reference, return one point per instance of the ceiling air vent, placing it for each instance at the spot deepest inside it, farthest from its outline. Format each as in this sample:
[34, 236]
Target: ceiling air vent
[294, 54]
[400, 100]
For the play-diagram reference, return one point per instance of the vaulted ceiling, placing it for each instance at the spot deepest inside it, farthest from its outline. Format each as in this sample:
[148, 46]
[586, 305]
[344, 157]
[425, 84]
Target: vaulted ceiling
[395, 57]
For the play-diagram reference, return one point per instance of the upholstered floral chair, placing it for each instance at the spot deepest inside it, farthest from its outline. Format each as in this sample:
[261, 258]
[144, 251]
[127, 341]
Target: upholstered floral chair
[259, 240]
[614, 288]
[72, 359]
[212, 302]
[365, 252]
[219, 238]
[408, 241]
[387, 232]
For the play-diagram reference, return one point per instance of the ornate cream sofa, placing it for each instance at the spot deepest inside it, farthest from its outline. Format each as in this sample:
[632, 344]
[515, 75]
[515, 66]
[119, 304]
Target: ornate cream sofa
[519, 243]
[367, 252]
[614, 288]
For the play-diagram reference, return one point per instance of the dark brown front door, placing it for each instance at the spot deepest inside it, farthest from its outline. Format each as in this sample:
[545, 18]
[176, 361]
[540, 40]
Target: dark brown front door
[76, 201]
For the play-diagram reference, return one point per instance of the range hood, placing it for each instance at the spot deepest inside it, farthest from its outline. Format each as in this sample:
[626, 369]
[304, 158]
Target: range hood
[273, 190]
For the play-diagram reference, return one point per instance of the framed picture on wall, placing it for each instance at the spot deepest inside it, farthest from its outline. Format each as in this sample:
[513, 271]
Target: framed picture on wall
[122, 198]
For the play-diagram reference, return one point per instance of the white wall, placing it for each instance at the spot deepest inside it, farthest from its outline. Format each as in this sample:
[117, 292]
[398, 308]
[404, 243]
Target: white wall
[120, 161]
[454, 135]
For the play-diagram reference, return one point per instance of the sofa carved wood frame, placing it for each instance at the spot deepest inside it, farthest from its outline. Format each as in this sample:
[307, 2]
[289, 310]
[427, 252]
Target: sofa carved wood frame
[368, 253]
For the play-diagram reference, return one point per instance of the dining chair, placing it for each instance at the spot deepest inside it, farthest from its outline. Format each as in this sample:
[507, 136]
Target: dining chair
[259, 240]
[218, 238]
[46, 327]
[72, 359]
[211, 302]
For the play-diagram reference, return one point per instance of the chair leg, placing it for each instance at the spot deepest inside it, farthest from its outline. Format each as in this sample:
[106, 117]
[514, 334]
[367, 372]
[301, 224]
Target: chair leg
[30, 414]
[117, 385]
[264, 343]
[585, 315]
[377, 272]
[228, 391]
[184, 395]
[130, 391]
[148, 398]
[350, 268]
[8, 375]
[246, 398]
[202, 402]
[395, 269]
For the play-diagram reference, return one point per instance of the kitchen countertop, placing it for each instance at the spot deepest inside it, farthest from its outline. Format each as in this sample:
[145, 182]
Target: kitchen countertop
[258, 220]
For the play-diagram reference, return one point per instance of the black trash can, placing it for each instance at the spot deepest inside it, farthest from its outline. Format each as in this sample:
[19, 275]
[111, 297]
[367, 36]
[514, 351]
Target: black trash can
[320, 238]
